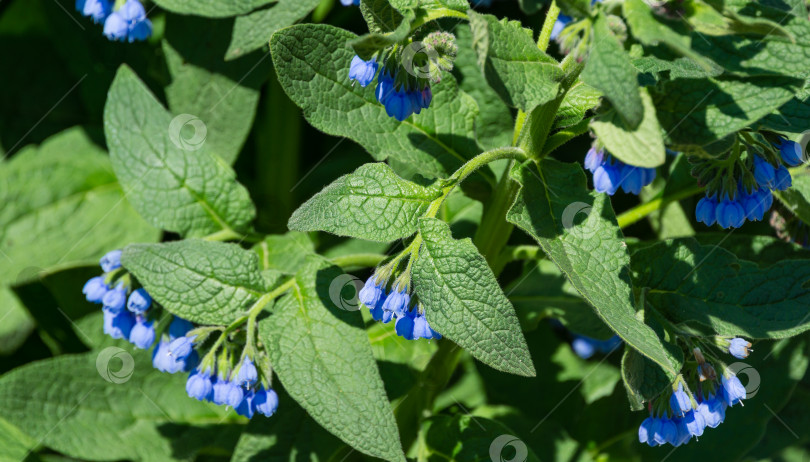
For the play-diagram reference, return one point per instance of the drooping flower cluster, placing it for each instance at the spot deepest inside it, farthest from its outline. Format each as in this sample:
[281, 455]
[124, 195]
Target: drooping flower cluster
[127, 22]
[396, 305]
[585, 347]
[730, 206]
[681, 416]
[126, 311]
[130, 314]
[240, 389]
[403, 80]
[609, 173]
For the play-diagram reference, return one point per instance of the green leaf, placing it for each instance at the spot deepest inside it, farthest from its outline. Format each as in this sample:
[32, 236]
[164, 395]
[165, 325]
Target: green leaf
[591, 252]
[14, 444]
[312, 62]
[792, 118]
[575, 104]
[642, 146]
[494, 124]
[643, 379]
[224, 95]
[190, 192]
[212, 8]
[284, 253]
[463, 301]
[322, 357]
[543, 291]
[608, 69]
[253, 31]
[62, 205]
[146, 415]
[380, 15]
[17, 322]
[706, 110]
[472, 438]
[695, 284]
[650, 29]
[521, 74]
[371, 203]
[762, 250]
[201, 281]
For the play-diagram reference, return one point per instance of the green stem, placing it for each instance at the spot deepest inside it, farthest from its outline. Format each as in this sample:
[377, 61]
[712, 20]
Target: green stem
[548, 26]
[358, 260]
[436, 13]
[494, 231]
[642, 210]
[228, 234]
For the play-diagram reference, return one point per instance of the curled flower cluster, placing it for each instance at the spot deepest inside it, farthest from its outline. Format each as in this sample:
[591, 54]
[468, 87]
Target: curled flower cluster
[410, 321]
[404, 73]
[129, 22]
[586, 347]
[609, 173]
[401, 96]
[731, 207]
[239, 389]
[686, 415]
[126, 311]
[130, 314]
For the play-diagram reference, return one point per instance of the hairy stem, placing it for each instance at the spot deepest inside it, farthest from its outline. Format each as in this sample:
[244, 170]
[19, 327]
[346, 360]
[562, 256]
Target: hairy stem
[642, 210]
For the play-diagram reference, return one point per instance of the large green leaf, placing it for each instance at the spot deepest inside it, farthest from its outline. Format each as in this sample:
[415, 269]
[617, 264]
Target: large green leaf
[224, 95]
[178, 187]
[608, 69]
[591, 252]
[312, 62]
[543, 291]
[201, 281]
[14, 444]
[692, 283]
[521, 73]
[464, 302]
[371, 203]
[62, 205]
[642, 146]
[322, 357]
[706, 110]
[108, 405]
[253, 31]
[212, 8]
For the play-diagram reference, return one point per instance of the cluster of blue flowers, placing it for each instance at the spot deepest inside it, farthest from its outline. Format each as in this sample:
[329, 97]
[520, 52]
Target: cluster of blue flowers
[609, 173]
[752, 201]
[125, 310]
[129, 315]
[686, 417]
[350, 2]
[129, 22]
[585, 347]
[240, 389]
[410, 322]
[400, 93]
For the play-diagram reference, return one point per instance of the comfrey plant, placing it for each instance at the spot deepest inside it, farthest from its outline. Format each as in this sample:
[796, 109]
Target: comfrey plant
[508, 234]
